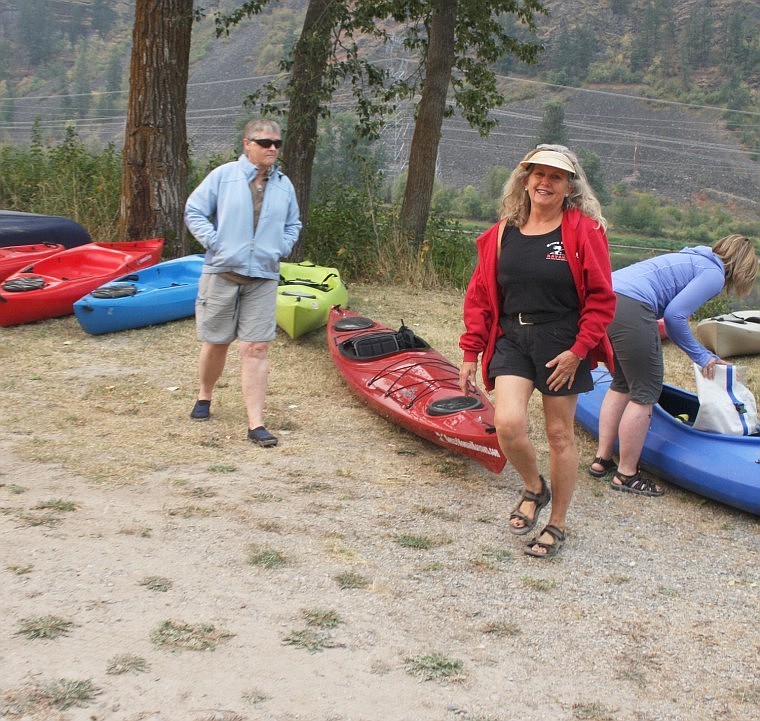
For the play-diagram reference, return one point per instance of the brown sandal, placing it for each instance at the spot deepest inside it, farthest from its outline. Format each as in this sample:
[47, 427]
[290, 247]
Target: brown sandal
[635, 484]
[607, 464]
[550, 549]
[540, 499]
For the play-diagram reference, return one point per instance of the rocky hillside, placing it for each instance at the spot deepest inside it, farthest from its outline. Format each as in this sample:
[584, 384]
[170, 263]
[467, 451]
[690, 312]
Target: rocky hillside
[678, 149]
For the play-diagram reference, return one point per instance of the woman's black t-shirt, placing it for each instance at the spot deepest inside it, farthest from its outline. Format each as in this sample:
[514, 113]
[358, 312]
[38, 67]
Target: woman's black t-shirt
[534, 275]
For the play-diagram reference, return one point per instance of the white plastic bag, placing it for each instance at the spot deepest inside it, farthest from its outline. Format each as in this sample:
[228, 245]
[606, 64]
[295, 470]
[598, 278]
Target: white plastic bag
[726, 405]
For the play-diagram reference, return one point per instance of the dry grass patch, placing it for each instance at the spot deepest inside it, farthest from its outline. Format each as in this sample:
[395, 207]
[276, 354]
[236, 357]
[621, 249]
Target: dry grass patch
[126, 663]
[266, 557]
[187, 636]
[62, 694]
[45, 627]
[157, 583]
[352, 579]
[435, 667]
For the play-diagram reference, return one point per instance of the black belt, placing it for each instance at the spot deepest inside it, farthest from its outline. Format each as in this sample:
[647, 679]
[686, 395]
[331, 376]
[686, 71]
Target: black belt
[535, 318]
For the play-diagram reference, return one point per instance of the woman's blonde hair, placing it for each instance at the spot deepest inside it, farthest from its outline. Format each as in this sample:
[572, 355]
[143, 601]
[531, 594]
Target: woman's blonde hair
[739, 257]
[515, 203]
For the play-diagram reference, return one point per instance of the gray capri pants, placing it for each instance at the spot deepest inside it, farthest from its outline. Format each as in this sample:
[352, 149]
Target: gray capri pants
[226, 310]
[635, 337]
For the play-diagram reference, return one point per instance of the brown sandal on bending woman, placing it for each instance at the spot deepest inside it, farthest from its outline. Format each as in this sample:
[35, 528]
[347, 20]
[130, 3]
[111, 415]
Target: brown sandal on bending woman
[635, 484]
[606, 465]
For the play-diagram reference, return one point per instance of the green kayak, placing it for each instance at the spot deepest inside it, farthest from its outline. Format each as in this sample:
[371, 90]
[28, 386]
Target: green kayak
[305, 295]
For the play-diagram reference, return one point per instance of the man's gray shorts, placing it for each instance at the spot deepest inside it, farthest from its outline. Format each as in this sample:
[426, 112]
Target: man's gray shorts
[225, 310]
[639, 366]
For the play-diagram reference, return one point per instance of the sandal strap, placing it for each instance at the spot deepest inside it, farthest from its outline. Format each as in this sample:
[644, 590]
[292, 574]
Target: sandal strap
[637, 483]
[520, 516]
[606, 463]
[556, 533]
[532, 497]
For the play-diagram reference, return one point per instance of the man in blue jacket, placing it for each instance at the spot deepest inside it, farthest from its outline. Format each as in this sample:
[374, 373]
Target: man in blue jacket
[245, 214]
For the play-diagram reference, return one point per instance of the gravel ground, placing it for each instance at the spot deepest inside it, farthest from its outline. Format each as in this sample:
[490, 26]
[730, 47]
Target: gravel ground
[336, 570]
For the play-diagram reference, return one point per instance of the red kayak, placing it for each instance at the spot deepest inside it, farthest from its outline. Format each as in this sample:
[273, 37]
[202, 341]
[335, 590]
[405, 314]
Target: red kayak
[49, 287]
[15, 257]
[398, 375]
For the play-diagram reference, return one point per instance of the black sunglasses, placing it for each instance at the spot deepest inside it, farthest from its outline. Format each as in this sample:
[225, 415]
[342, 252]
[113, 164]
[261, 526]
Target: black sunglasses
[266, 142]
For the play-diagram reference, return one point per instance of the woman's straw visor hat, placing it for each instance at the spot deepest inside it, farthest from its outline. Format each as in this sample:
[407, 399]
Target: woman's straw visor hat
[549, 157]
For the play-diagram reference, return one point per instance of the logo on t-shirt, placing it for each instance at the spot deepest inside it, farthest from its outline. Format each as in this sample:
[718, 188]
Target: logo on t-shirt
[555, 251]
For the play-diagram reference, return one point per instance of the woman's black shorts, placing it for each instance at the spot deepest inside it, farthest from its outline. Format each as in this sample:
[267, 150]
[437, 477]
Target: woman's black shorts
[524, 351]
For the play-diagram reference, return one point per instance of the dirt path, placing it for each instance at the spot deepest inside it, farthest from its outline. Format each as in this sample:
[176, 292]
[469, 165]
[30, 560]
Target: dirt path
[329, 569]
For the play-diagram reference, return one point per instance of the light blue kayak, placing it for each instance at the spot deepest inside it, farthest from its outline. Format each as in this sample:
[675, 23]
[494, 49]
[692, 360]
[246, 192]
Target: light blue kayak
[158, 294]
[721, 467]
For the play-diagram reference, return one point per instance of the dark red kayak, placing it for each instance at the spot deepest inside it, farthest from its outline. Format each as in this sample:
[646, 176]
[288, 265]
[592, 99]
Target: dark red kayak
[398, 375]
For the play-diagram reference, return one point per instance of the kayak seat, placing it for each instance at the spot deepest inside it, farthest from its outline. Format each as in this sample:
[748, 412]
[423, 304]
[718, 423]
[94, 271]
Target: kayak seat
[115, 291]
[377, 345]
[27, 282]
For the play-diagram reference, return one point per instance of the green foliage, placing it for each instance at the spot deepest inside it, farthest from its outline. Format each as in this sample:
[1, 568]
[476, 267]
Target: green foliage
[452, 252]
[552, 128]
[639, 213]
[351, 224]
[482, 38]
[344, 157]
[343, 229]
[67, 179]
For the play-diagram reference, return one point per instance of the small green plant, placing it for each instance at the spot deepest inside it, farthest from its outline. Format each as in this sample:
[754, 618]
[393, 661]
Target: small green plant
[254, 696]
[126, 663]
[434, 667]
[192, 637]
[190, 511]
[499, 555]
[16, 489]
[200, 492]
[33, 520]
[618, 580]
[315, 486]
[141, 531]
[156, 583]
[412, 541]
[47, 627]
[322, 618]
[266, 557]
[221, 468]
[501, 629]
[266, 498]
[307, 638]
[65, 693]
[539, 584]
[21, 570]
[56, 505]
[668, 591]
[351, 579]
[270, 526]
[592, 712]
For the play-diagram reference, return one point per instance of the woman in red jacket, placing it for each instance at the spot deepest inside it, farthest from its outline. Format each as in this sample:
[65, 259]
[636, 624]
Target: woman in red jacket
[536, 311]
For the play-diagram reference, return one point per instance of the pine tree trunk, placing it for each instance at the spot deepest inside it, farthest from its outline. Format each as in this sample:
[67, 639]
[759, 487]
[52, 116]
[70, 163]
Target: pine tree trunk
[423, 155]
[155, 155]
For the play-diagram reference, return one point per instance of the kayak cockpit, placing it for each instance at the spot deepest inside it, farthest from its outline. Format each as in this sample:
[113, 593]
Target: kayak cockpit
[385, 343]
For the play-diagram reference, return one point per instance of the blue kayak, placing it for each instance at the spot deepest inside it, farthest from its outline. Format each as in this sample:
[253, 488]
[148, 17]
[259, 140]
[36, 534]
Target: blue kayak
[720, 467]
[164, 292]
